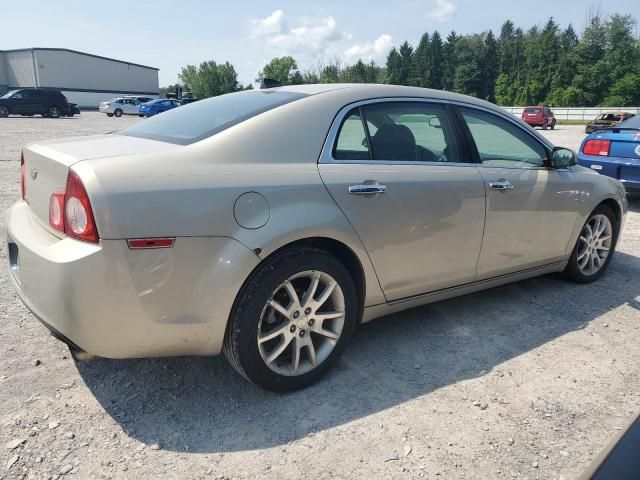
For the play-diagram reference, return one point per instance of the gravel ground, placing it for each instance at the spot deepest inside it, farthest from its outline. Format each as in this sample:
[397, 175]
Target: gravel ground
[530, 380]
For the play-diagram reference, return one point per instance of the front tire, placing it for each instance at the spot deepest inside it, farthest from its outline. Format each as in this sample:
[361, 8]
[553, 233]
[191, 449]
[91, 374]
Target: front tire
[595, 246]
[54, 112]
[117, 112]
[292, 319]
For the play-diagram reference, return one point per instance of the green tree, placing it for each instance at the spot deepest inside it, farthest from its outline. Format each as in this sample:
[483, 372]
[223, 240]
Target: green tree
[210, 79]
[283, 70]
[490, 67]
[421, 65]
[394, 67]
[436, 67]
[449, 61]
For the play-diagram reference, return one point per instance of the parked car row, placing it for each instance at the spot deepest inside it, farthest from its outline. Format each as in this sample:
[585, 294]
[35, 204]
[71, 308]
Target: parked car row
[141, 106]
[37, 101]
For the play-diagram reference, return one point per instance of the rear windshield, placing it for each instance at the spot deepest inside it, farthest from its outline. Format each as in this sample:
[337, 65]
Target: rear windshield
[633, 122]
[532, 110]
[196, 121]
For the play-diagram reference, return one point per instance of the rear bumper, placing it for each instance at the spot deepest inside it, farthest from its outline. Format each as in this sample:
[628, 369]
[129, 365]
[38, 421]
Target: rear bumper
[119, 303]
[624, 169]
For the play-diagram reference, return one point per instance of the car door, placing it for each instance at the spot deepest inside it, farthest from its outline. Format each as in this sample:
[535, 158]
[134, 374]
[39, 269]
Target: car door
[20, 102]
[130, 106]
[398, 173]
[531, 208]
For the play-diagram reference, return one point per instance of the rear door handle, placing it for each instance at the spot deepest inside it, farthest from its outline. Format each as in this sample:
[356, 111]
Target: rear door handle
[501, 185]
[365, 189]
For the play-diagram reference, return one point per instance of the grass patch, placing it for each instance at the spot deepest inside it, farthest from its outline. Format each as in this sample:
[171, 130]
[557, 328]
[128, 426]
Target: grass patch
[572, 122]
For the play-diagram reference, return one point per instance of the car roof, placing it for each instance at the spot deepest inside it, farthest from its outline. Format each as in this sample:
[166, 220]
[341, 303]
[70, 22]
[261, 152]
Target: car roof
[354, 92]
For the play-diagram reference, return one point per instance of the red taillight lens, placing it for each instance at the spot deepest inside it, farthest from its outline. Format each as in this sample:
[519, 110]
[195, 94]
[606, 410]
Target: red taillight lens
[23, 187]
[56, 210]
[78, 216]
[597, 147]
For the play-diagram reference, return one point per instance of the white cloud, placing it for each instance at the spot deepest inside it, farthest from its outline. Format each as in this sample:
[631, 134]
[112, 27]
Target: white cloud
[442, 10]
[375, 50]
[314, 38]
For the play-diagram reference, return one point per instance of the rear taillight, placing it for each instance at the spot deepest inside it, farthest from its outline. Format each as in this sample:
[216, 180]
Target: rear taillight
[56, 210]
[70, 211]
[23, 187]
[78, 216]
[597, 147]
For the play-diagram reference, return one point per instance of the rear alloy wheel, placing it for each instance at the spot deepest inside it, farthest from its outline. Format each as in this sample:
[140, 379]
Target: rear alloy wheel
[292, 320]
[54, 112]
[595, 247]
[117, 112]
[4, 112]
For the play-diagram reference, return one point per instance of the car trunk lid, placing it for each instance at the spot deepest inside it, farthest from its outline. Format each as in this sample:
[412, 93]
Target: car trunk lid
[47, 164]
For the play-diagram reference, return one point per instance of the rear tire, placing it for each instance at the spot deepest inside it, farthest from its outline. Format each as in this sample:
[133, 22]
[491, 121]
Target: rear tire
[302, 332]
[117, 112]
[553, 125]
[109, 114]
[544, 125]
[4, 111]
[587, 262]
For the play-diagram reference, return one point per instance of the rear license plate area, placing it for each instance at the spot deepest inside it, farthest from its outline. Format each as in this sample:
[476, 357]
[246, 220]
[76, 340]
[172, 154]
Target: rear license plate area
[629, 173]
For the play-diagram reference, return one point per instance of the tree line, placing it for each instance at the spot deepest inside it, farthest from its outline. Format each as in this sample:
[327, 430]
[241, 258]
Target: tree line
[542, 65]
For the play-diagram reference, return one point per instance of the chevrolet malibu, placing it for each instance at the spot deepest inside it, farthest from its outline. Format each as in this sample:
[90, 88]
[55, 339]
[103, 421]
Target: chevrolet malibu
[268, 224]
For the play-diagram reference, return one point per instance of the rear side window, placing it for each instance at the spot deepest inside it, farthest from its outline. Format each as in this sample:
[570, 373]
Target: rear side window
[397, 131]
[500, 143]
[200, 120]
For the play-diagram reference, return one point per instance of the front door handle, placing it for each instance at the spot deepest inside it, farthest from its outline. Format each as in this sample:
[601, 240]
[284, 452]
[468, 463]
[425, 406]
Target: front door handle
[367, 189]
[501, 185]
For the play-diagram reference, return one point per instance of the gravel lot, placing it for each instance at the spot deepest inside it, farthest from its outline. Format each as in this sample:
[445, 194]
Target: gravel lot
[529, 380]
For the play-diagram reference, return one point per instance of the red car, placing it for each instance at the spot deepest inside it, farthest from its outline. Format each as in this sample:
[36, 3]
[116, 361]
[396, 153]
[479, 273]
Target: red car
[539, 117]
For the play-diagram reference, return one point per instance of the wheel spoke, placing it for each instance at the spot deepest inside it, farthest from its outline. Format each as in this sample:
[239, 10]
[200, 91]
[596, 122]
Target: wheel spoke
[321, 317]
[279, 308]
[582, 255]
[311, 352]
[311, 291]
[326, 293]
[295, 360]
[326, 333]
[278, 351]
[273, 334]
[293, 295]
[583, 263]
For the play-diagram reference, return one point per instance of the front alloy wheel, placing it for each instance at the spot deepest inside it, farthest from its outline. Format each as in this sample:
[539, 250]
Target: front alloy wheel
[594, 244]
[292, 319]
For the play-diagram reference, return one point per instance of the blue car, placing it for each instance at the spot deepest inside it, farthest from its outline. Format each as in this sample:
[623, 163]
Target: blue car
[615, 152]
[156, 106]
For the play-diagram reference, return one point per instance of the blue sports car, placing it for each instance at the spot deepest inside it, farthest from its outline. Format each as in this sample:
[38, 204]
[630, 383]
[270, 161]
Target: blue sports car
[615, 152]
[156, 106]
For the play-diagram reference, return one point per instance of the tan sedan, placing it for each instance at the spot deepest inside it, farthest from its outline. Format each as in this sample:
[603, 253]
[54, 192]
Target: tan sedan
[268, 224]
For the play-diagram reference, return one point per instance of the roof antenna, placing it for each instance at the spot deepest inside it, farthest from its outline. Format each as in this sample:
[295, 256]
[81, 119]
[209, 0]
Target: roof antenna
[269, 83]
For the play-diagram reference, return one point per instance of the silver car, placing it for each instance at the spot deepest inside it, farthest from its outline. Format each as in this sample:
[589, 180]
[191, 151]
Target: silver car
[120, 106]
[268, 224]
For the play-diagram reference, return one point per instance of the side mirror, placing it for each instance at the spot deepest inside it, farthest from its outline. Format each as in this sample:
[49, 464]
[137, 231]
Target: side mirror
[562, 157]
[434, 122]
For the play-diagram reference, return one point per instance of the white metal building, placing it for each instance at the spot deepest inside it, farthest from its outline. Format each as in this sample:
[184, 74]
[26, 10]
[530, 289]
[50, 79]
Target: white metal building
[84, 78]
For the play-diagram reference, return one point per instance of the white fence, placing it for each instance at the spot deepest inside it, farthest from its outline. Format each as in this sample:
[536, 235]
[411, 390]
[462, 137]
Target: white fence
[578, 113]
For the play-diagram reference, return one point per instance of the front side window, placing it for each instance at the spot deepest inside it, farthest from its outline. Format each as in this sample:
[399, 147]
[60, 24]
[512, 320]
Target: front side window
[500, 143]
[397, 132]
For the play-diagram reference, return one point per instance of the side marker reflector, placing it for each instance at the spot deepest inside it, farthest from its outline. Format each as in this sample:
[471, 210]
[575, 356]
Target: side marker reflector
[147, 243]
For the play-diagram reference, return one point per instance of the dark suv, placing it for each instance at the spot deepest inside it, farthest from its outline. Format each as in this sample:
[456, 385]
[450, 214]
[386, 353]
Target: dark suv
[33, 101]
[539, 116]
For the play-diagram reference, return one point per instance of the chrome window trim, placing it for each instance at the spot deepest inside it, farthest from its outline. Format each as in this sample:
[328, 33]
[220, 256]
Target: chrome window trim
[326, 155]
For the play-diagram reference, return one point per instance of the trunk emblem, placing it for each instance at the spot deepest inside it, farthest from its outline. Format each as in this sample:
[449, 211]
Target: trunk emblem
[34, 173]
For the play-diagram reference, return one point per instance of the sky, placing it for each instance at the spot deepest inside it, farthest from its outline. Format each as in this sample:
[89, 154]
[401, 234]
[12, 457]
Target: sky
[171, 34]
